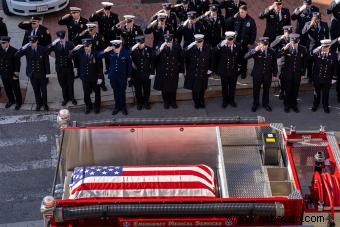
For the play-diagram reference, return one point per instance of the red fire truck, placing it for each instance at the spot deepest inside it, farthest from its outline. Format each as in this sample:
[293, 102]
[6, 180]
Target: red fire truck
[193, 172]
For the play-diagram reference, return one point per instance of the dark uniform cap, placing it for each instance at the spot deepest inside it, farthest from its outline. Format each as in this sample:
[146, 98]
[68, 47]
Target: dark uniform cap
[35, 18]
[213, 7]
[4, 39]
[33, 38]
[294, 37]
[162, 15]
[264, 40]
[192, 14]
[61, 34]
[86, 42]
[308, 2]
[168, 37]
[316, 14]
[185, 1]
[140, 38]
[166, 6]
[288, 28]
[278, 1]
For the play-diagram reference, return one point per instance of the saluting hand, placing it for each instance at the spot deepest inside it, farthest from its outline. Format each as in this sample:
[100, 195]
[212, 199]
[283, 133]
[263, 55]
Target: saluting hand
[108, 49]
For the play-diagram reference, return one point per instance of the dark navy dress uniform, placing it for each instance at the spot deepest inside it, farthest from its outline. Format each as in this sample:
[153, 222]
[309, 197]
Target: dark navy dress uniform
[182, 12]
[334, 9]
[119, 71]
[128, 35]
[215, 28]
[187, 32]
[105, 24]
[231, 7]
[74, 27]
[9, 67]
[44, 36]
[3, 28]
[158, 33]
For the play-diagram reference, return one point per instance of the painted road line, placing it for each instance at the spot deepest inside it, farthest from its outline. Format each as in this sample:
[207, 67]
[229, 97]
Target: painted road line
[26, 118]
[25, 166]
[22, 141]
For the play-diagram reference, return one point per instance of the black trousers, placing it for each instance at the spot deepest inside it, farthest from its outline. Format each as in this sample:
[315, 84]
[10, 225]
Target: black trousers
[338, 88]
[12, 89]
[119, 94]
[169, 97]
[142, 89]
[40, 89]
[335, 33]
[291, 91]
[88, 87]
[257, 83]
[243, 61]
[321, 93]
[198, 97]
[310, 69]
[66, 81]
[228, 89]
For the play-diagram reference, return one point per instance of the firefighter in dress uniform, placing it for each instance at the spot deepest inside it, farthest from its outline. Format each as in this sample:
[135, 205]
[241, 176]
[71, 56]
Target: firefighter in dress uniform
[276, 16]
[325, 68]
[334, 9]
[36, 70]
[159, 28]
[198, 57]
[128, 31]
[106, 20]
[169, 67]
[89, 73]
[231, 7]
[3, 27]
[75, 25]
[98, 45]
[34, 27]
[120, 72]
[64, 66]
[302, 15]
[245, 28]
[171, 18]
[182, 10]
[264, 71]
[227, 64]
[9, 73]
[189, 28]
[294, 67]
[142, 71]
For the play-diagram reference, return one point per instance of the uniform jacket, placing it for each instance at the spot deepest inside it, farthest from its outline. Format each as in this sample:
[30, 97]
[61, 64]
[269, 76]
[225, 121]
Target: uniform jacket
[44, 36]
[274, 26]
[302, 17]
[334, 9]
[214, 29]
[265, 66]
[315, 35]
[143, 63]
[73, 29]
[3, 28]
[181, 13]
[245, 28]
[231, 7]
[198, 63]
[171, 20]
[89, 67]
[278, 43]
[38, 64]
[188, 33]
[128, 35]
[325, 68]
[62, 55]
[97, 40]
[294, 64]
[158, 33]
[120, 66]
[105, 25]
[9, 64]
[169, 63]
[227, 63]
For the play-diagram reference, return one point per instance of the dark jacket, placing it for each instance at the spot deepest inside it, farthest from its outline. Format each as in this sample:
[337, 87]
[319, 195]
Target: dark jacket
[334, 9]
[73, 29]
[244, 27]
[294, 64]
[315, 35]
[169, 63]
[264, 66]
[3, 28]
[274, 26]
[198, 63]
[325, 68]
[143, 63]
[188, 33]
[62, 56]
[38, 64]
[279, 42]
[9, 64]
[89, 67]
[227, 63]
[231, 7]
[105, 25]
[128, 36]
[158, 33]
[214, 29]
[44, 36]
[302, 17]
[181, 13]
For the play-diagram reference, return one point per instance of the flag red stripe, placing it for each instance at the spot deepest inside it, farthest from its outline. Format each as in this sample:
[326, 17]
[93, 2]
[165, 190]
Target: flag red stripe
[141, 186]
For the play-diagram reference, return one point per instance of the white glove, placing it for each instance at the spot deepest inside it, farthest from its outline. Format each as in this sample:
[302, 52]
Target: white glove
[186, 23]
[223, 43]
[316, 49]
[134, 47]
[337, 1]
[339, 39]
[180, 75]
[55, 42]
[78, 47]
[287, 46]
[162, 46]
[134, 65]
[209, 72]
[108, 49]
[99, 81]
[191, 45]
[151, 77]
[26, 45]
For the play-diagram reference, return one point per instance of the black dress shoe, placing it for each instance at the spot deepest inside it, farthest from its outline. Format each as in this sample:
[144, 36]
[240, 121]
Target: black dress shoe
[197, 106]
[96, 110]
[202, 105]
[338, 99]
[174, 105]
[166, 106]
[233, 104]
[147, 106]
[253, 108]
[139, 107]
[314, 108]
[8, 105]
[124, 111]
[63, 103]
[326, 110]
[74, 102]
[286, 109]
[281, 96]
[268, 108]
[224, 105]
[296, 109]
[17, 106]
[37, 108]
[104, 88]
[46, 108]
[115, 111]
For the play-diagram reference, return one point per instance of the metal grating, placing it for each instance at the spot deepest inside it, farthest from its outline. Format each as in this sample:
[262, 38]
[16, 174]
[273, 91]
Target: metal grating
[239, 136]
[335, 148]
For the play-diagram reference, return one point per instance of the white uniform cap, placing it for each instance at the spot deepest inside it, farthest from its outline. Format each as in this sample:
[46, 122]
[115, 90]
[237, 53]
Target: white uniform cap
[162, 15]
[106, 4]
[116, 41]
[230, 34]
[91, 25]
[326, 42]
[75, 9]
[129, 17]
[199, 36]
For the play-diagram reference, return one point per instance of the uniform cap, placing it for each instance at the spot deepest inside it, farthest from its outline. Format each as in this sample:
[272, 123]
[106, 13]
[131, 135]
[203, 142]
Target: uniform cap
[116, 42]
[61, 34]
[213, 7]
[278, 1]
[168, 37]
[86, 42]
[107, 4]
[35, 18]
[140, 38]
[91, 25]
[294, 37]
[166, 5]
[185, 1]
[316, 14]
[129, 17]
[326, 42]
[264, 40]
[199, 37]
[162, 15]
[309, 2]
[288, 28]
[33, 38]
[230, 34]
[4, 39]
[75, 9]
[191, 14]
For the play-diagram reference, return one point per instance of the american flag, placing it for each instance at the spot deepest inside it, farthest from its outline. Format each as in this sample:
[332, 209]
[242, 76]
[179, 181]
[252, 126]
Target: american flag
[142, 181]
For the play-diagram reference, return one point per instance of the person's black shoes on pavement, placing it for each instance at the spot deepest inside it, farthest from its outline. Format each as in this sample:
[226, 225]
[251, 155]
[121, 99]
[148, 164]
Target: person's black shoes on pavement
[287, 109]
[197, 106]
[9, 104]
[253, 108]
[174, 105]
[46, 108]
[314, 108]
[147, 106]
[124, 111]
[166, 106]
[63, 103]
[268, 108]
[296, 109]
[139, 107]
[96, 110]
[115, 111]
[233, 104]
[326, 109]
[17, 106]
[224, 104]
[38, 107]
[74, 102]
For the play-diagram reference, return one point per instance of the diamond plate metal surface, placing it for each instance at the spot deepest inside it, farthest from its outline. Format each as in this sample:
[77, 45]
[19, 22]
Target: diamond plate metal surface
[333, 143]
[239, 136]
